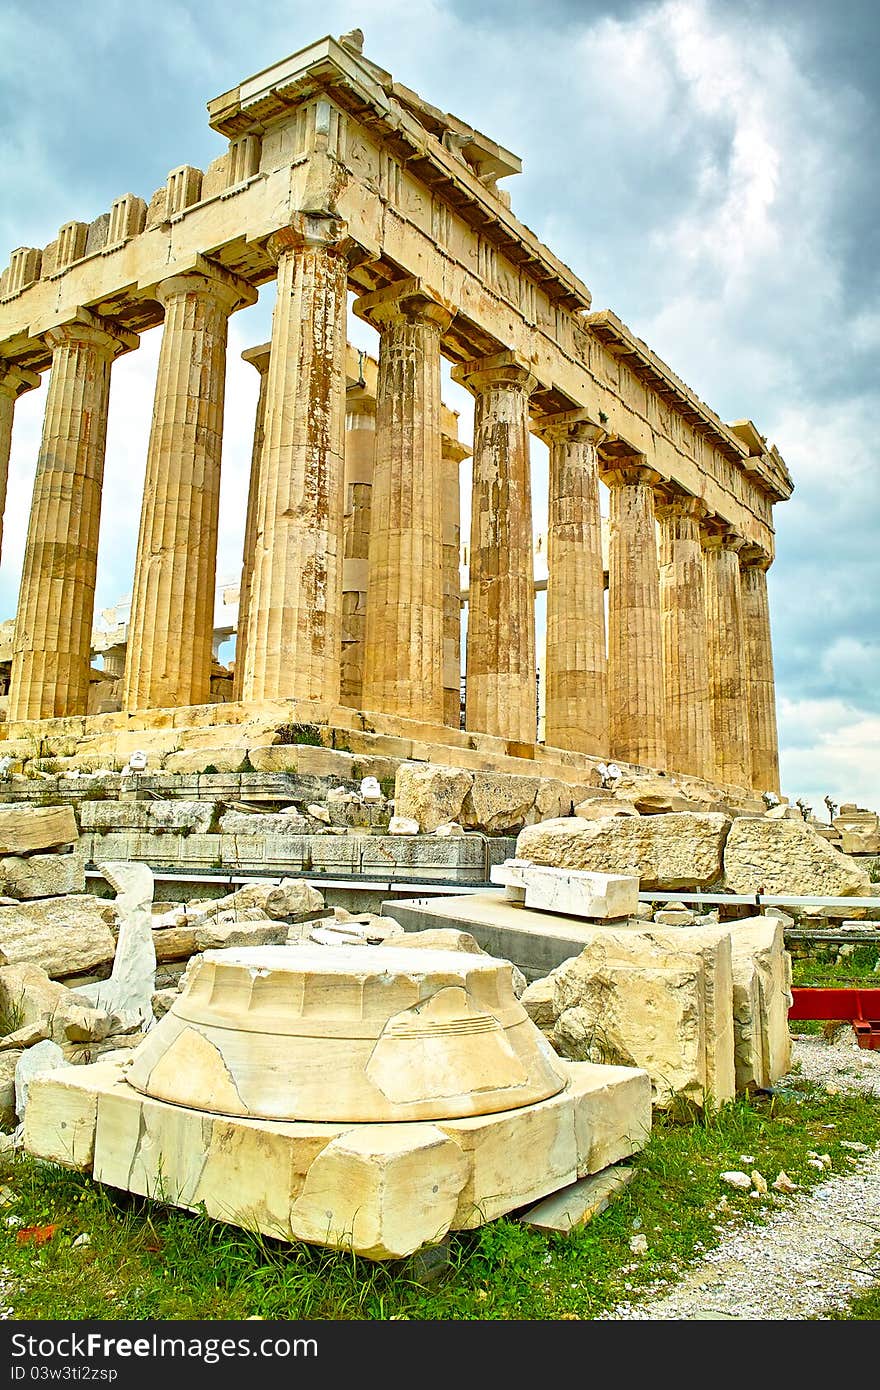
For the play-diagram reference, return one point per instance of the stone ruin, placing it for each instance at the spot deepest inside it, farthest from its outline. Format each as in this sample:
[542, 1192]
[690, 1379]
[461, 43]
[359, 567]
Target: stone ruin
[183, 1050]
[183, 1053]
[338, 179]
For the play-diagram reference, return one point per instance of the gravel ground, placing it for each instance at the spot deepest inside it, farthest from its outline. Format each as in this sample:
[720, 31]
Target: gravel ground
[816, 1251]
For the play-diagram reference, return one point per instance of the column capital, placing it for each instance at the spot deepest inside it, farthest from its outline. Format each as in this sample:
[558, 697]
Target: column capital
[359, 401]
[454, 450]
[211, 280]
[312, 231]
[15, 380]
[86, 327]
[258, 357]
[409, 300]
[501, 369]
[622, 472]
[670, 503]
[755, 557]
[577, 426]
[717, 534]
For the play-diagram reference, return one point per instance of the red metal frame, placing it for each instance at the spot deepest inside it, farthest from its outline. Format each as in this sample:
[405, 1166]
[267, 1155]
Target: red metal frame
[860, 1007]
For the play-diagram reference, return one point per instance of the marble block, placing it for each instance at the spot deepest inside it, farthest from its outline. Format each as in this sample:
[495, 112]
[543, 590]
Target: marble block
[379, 1190]
[365, 1098]
[572, 892]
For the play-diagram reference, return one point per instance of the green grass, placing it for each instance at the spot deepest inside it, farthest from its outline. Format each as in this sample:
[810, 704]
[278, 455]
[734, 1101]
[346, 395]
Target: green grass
[148, 1260]
[820, 969]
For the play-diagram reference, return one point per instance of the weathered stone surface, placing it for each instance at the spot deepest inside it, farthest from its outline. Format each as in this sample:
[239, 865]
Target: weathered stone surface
[368, 930]
[289, 898]
[151, 816]
[599, 805]
[429, 794]
[78, 1023]
[27, 828]
[42, 875]
[448, 939]
[499, 802]
[305, 758]
[216, 932]
[27, 995]
[65, 936]
[788, 856]
[679, 850]
[657, 999]
[220, 759]
[30, 999]
[290, 822]
[652, 795]
[403, 825]
[25, 1036]
[162, 1001]
[174, 943]
[762, 999]
[408, 1059]
[35, 1061]
[8, 1064]
[396, 1187]
[60, 1124]
[576, 1205]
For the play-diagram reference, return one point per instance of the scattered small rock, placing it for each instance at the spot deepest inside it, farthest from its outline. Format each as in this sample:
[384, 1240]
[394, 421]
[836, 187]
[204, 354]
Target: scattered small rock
[741, 1181]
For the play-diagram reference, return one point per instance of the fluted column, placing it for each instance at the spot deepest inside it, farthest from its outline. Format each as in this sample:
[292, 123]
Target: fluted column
[635, 645]
[760, 683]
[360, 452]
[259, 359]
[53, 625]
[14, 381]
[683, 625]
[726, 655]
[453, 452]
[295, 607]
[501, 695]
[576, 692]
[168, 661]
[403, 668]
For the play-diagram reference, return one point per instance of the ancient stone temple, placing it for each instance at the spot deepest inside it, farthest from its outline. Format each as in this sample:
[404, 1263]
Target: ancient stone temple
[335, 180]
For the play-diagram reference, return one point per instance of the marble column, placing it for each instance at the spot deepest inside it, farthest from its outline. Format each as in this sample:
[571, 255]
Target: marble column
[501, 696]
[360, 452]
[453, 453]
[403, 668]
[259, 359]
[295, 607]
[683, 625]
[576, 689]
[637, 716]
[725, 634]
[53, 625]
[14, 381]
[168, 662]
[760, 683]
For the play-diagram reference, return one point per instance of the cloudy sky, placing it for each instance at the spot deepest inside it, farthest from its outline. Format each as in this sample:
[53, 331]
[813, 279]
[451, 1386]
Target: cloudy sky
[707, 167]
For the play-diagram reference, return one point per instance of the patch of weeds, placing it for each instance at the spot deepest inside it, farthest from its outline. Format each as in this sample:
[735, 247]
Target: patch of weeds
[11, 1015]
[299, 733]
[819, 970]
